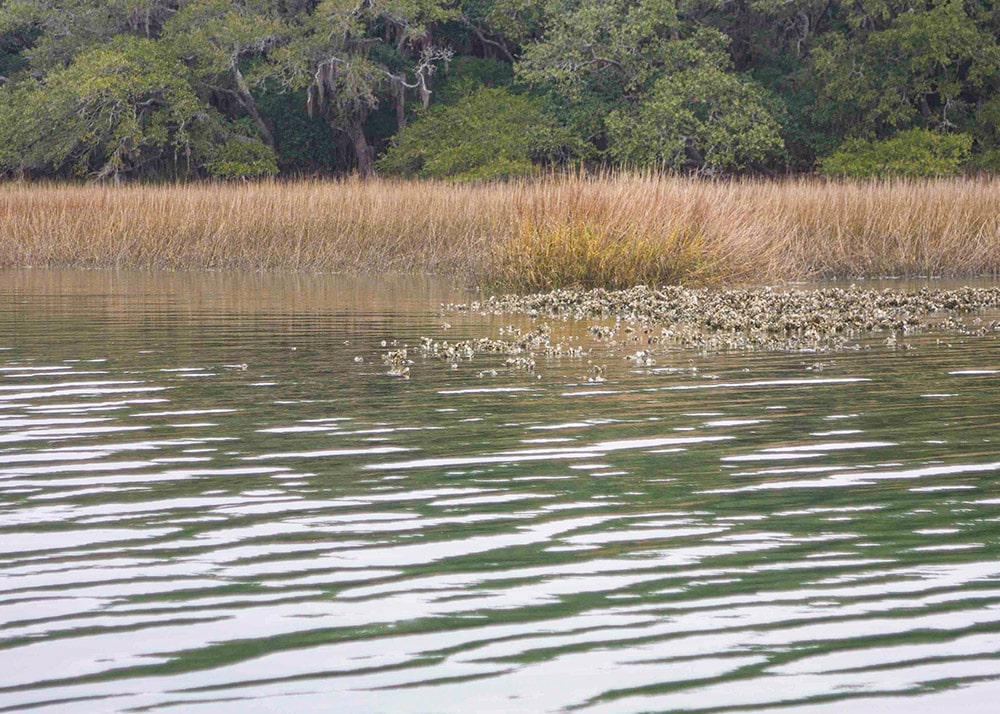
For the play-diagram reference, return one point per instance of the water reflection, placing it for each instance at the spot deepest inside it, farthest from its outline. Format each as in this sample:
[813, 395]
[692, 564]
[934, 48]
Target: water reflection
[727, 532]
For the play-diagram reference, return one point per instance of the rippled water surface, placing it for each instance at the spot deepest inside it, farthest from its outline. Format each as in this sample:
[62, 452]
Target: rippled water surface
[209, 503]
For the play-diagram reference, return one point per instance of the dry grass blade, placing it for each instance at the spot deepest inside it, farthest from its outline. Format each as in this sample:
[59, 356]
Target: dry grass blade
[610, 231]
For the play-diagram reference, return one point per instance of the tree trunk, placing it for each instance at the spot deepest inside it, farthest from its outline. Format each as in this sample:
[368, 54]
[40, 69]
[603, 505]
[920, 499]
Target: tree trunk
[400, 97]
[925, 108]
[250, 104]
[363, 152]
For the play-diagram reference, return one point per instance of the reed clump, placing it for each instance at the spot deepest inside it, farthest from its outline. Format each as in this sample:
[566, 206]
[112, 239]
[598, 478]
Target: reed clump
[561, 253]
[610, 231]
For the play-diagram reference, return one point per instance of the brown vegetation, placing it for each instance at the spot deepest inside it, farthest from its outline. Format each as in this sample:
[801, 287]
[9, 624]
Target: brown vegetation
[613, 231]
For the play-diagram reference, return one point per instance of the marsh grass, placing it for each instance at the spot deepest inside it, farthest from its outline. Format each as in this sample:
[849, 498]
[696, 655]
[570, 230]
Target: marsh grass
[557, 254]
[611, 231]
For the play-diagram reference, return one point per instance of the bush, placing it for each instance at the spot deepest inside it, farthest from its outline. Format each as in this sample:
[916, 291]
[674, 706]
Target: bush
[985, 130]
[703, 118]
[464, 75]
[240, 158]
[917, 153]
[492, 133]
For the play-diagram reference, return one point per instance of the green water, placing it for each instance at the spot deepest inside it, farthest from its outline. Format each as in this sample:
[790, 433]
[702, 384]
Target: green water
[208, 503]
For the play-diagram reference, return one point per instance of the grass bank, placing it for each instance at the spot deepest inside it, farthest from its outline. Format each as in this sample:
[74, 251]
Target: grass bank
[613, 232]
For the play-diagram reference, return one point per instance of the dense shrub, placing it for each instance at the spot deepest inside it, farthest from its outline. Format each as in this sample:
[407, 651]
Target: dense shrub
[488, 134]
[916, 153]
[703, 118]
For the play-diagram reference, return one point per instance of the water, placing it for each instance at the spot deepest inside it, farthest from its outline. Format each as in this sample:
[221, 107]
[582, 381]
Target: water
[206, 504]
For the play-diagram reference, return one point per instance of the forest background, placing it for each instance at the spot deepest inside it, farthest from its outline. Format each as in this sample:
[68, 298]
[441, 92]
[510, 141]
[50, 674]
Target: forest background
[483, 89]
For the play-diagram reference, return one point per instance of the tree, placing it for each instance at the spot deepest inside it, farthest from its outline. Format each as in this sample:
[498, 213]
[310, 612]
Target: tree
[614, 48]
[349, 55]
[906, 65]
[110, 111]
[702, 118]
[116, 110]
[104, 93]
[12, 44]
[214, 38]
[490, 133]
[65, 28]
[249, 85]
[674, 102]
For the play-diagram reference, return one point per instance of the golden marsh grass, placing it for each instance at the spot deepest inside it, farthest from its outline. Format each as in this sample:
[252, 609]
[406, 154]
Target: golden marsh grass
[611, 231]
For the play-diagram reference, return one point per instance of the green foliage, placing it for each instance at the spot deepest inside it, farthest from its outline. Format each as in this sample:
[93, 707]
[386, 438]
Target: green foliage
[237, 88]
[239, 158]
[669, 97]
[916, 70]
[71, 27]
[513, 22]
[111, 111]
[916, 153]
[790, 95]
[118, 110]
[464, 75]
[11, 45]
[703, 118]
[213, 35]
[985, 129]
[612, 47]
[17, 135]
[491, 133]
[348, 56]
[302, 143]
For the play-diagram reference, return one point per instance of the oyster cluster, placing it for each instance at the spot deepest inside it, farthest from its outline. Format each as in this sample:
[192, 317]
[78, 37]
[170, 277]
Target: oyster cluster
[397, 362]
[523, 346]
[642, 323]
[753, 319]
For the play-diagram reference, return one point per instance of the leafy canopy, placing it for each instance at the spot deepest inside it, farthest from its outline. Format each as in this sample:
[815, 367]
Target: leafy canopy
[490, 133]
[703, 118]
[114, 110]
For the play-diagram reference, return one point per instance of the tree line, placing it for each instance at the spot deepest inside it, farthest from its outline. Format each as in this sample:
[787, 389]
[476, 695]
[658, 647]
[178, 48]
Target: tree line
[481, 89]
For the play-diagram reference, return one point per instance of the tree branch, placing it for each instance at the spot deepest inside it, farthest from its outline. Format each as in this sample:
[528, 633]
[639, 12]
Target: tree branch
[248, 102]
[485, 40]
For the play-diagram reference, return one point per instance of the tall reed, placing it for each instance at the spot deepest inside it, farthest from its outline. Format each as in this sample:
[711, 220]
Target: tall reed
[614, 230]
